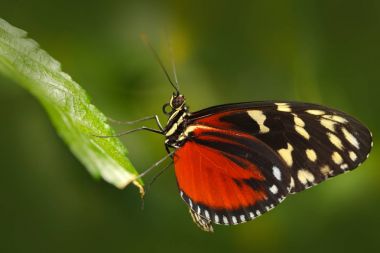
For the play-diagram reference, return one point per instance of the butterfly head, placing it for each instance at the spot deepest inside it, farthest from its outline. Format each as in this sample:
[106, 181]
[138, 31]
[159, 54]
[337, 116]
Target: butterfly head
[177, 103]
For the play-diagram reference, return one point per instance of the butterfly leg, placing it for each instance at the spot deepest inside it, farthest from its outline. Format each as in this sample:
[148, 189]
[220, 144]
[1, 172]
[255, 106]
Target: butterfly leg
[130, 131]
[155, 117]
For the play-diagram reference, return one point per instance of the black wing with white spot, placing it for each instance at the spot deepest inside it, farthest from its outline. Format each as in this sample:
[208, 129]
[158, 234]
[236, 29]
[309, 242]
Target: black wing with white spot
[315, 142]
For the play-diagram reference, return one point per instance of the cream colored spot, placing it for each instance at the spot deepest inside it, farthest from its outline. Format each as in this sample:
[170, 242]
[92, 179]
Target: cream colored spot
[291, 182]
[335, 140]
[305, 176]
[299, 126]
[335, 118]
[329, 124]
[286, 154]
[339, 119]
[260, 118]
[344, 166]
[315, 112]
[242, 218]
[325, 170]
[274, 189]
[302, 132]
[337, 158]
[298, 121]
[283, 107]
[350, 138]
[353, 155]
[310, 153]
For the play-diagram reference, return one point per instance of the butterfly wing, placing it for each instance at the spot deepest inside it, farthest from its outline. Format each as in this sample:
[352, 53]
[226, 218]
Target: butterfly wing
[229, 177]
[229, 166]
[316, 142]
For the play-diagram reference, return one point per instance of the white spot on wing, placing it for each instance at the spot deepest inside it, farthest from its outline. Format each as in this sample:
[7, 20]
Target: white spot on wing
[344, 166]
[276, 173]
[353, 155]
[310, 153]
[207, 214]
[325, 170]
[315, 112]
[298, 121]
[225, 220]
[216, 218]
[302, 132]
[329, 124]
[260, 118]
[335, 140]
[242, 218]
[251, 215]
[339, 119]
[286, 154]
[291, 182]
[335, 118]
[305, 176]
[234, 220]
[274, 189]
[283, 107]
[337, 158]
[350, 138]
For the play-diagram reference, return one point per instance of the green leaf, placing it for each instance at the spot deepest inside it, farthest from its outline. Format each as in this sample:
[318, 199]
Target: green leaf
[69, 108]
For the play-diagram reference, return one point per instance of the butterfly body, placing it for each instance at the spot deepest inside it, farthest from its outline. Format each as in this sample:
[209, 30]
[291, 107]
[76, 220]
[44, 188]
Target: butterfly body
[235, 162]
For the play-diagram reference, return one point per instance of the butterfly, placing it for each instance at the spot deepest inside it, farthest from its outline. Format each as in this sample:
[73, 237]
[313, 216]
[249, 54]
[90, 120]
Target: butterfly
[235, 162]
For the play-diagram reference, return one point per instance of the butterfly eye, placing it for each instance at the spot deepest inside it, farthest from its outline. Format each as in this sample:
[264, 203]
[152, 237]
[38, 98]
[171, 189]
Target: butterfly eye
[166, 109]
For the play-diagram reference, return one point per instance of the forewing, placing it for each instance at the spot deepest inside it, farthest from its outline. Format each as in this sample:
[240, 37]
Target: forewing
[229, 177]
[315, 142]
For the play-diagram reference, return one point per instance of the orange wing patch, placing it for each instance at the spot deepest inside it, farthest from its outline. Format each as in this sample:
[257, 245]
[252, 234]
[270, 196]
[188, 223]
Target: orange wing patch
[211, 179]
[229, 177]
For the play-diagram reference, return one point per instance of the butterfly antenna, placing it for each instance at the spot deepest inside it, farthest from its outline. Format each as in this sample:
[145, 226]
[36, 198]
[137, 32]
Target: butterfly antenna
[158, 59]
[170, 45]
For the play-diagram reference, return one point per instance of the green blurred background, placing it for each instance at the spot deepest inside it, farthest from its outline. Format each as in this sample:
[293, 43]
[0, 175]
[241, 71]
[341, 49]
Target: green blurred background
[317, 51]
